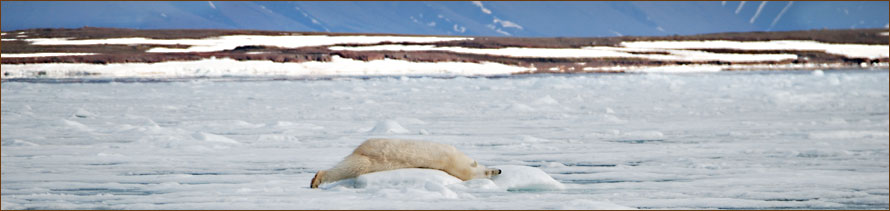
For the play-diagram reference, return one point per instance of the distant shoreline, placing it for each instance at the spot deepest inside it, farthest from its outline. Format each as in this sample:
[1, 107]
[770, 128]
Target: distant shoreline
[111, 52]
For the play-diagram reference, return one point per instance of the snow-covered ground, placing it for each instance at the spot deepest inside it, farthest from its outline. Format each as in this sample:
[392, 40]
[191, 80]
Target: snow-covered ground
[226, 67]
[232, 41]
[762, 140]
[676, 50]
[848, 50]
[586, 52]
[20, 55]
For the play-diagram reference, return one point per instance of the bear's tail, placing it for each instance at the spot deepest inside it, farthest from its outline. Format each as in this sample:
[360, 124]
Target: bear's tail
[316, 180]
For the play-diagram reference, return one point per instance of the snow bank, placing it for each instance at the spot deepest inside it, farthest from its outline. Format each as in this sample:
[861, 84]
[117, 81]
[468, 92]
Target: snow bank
[513, 178]
[848, 134]
[233, 41]
[17, 142]
[848, 50]
[229, 67]
[429, 179]
[414, 183]
[679, 69]
[209, 137]
[388, 127]
[20, 55]
[525, 178]
[586, 52]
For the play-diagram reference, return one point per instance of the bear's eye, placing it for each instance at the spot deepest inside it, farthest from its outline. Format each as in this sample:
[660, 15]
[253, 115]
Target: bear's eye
[474, 164]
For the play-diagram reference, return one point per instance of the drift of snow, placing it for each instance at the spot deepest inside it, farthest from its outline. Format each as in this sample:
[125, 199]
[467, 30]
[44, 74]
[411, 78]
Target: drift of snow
[849, 50]
[213, 138]
[525, 178]
[388, 127]
[233, 41]
[724, 140]
[441, 184]
[21, 55]
[481, 7]
[585, 52]
[229, 67]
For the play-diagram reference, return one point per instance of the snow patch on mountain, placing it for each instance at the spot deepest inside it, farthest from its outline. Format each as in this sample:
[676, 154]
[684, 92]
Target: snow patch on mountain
[230, 42]
[585, 52]
[506, 23]
[848, 50]
[482, 7]
[21, 55]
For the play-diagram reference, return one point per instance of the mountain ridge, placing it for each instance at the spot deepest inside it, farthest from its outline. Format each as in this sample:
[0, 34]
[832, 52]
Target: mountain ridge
[523, 19]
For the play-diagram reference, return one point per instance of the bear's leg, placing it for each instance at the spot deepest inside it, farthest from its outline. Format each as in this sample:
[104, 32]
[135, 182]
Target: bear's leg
[316, 180]
[352, 166]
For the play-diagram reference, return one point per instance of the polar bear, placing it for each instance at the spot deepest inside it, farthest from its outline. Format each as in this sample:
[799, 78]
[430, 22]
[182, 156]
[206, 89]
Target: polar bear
[387, 154]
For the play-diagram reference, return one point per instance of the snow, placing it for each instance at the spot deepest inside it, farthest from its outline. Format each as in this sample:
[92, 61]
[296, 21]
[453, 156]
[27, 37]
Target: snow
[524, 178]
[482, 7]
[506, 23]
[388, 127]
[20, 55]
[432, 184]
[700, 68]
[739, 8]
[849, 50]
[586, 52]
[757, 13]
[731, 140]
[779, 16]
[233, 41]
[680, 69]
[226, 67]
[459, 29]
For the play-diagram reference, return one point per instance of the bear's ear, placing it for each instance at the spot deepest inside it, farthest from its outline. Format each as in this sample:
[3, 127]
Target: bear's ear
[474, 164]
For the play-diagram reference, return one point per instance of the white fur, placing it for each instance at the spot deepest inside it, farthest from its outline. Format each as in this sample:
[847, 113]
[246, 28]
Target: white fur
[388, 154]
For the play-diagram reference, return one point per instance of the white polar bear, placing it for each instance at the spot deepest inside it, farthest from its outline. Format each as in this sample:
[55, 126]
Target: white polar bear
[387, 154]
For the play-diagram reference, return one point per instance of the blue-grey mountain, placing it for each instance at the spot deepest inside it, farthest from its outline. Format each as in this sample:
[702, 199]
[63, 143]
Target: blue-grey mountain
[499, 18]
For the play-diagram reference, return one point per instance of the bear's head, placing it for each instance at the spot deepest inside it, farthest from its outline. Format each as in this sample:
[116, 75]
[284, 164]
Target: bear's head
[480, 171]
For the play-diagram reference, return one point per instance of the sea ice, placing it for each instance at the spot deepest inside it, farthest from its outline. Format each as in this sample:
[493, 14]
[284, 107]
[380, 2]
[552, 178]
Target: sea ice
[724, 140]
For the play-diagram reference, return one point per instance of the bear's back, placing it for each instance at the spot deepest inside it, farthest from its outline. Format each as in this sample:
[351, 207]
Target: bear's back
[404, 150]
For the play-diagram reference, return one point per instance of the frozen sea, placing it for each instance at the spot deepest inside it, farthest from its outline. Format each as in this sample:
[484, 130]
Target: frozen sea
[727, 140]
